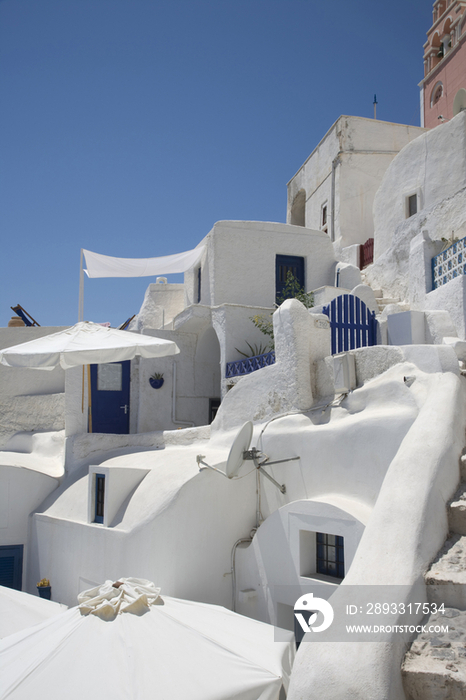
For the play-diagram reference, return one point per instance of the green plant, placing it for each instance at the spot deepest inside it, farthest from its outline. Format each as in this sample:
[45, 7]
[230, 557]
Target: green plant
[157, 375]
[254, 350]
[291, 290]
[43, 583]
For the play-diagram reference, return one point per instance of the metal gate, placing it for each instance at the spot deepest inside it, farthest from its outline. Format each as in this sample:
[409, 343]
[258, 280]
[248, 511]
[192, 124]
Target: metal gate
[352, 324]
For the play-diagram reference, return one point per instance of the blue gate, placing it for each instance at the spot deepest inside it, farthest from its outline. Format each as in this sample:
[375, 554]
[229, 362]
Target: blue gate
[352, 324]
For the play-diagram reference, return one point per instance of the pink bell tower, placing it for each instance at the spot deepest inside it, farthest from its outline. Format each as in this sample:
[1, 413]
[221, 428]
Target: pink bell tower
[443, 89]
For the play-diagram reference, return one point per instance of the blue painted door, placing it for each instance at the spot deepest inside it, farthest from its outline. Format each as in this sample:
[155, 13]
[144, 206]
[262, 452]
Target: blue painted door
[283, 265]
[110, 398]
[11, 566]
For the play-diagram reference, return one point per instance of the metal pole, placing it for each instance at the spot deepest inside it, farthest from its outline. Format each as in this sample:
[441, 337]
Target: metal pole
[81, 290]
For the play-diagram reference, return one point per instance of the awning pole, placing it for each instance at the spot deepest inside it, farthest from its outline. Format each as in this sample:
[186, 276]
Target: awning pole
[89, 400]
[81, 290]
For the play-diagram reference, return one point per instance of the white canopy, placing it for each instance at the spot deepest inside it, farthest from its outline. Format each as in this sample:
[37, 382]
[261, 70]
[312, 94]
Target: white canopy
[19, 610]
[149, 648]
[85, 344]
[106, 266]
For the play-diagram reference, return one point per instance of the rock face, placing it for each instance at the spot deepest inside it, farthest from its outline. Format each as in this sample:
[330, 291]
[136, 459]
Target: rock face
[435, 666]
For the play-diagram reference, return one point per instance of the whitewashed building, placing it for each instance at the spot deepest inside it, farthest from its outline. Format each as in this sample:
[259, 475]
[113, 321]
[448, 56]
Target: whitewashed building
[334, 189]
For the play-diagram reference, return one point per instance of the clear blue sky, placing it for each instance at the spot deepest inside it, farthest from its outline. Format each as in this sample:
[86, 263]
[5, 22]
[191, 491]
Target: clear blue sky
[129, 127]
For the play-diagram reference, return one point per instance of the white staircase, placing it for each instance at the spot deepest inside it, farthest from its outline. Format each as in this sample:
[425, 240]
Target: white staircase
[383, 301]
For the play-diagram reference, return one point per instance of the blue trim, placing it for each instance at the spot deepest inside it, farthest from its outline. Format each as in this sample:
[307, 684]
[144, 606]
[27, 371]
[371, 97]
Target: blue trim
[250, 364]
[448, 264]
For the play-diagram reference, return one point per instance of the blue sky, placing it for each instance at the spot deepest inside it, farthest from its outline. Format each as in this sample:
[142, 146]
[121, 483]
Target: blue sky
[129, 127]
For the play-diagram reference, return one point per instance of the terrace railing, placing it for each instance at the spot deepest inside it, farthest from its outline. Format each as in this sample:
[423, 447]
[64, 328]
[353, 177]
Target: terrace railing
[249, 364]
[448, 264]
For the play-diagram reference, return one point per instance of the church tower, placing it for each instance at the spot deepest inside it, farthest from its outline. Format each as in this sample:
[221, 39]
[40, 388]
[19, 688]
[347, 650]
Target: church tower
[443, 89]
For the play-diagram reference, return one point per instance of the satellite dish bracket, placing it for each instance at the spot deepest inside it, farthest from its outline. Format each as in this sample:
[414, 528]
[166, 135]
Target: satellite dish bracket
[254, 454]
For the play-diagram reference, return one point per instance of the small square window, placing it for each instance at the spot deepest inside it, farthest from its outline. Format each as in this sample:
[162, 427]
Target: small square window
[109, 377]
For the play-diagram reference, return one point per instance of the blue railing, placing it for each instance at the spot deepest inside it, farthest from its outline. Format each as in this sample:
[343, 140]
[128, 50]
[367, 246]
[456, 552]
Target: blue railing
[448, 264]
[250, 364]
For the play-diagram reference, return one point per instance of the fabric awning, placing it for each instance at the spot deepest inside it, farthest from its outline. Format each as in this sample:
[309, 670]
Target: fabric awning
[106, 266]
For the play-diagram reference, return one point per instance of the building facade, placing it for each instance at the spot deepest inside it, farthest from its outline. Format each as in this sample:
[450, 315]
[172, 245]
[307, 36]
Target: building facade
[443, 89]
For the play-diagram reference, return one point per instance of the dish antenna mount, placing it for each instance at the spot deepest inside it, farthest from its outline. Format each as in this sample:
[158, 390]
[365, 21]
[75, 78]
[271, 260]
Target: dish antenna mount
[240, 452]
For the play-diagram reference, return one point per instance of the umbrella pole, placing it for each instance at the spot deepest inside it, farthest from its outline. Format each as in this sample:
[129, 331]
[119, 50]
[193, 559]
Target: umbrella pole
[89, 402]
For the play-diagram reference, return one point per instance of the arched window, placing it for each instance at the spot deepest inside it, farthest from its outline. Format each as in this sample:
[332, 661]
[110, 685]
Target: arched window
[298, 209]
[436, 94]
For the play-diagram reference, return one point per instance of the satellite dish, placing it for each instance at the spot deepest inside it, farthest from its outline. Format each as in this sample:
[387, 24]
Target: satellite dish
[459, 103]
[236, 455]
[240, 445]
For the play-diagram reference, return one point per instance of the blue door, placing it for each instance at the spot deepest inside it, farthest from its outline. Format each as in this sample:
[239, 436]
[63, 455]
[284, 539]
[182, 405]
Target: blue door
[283, 265]
[11, 566]
[110, 398]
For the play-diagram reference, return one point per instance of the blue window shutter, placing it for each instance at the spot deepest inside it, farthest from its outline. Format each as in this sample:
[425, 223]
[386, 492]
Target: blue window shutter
[11, 566]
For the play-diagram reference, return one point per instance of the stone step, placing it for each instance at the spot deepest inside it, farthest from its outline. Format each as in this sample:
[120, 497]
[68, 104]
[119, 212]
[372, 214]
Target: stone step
[434, 667]
[385, 301]
[446, 578]
[457, 512]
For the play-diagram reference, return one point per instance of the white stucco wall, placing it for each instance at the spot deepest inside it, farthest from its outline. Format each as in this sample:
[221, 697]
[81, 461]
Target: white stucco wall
[239, 263]
[162, 302]
[30, 400]
[434, 166]
[343, 173]
[407, 527]
[21, 493]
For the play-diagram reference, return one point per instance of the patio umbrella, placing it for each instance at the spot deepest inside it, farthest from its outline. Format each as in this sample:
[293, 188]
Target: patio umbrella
[19, 610]
[85, 344]
[125, 641]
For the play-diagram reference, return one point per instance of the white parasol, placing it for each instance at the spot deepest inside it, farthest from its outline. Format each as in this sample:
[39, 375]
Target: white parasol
[125, 641]
[85, 344]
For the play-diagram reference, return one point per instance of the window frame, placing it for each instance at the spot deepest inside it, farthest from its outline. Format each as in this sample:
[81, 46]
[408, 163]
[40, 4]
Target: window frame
[99, 488]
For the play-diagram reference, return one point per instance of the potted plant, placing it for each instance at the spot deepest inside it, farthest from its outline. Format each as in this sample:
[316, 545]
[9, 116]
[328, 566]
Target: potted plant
[156, 380]
[44, 588]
